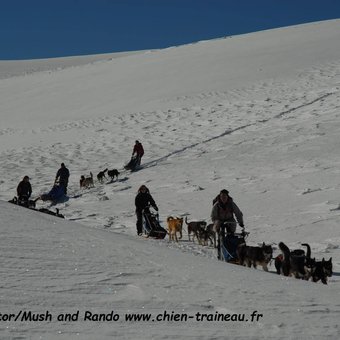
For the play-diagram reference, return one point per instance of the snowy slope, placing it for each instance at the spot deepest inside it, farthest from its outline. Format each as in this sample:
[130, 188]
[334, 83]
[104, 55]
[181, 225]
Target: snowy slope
[257, 114]
[63, 267]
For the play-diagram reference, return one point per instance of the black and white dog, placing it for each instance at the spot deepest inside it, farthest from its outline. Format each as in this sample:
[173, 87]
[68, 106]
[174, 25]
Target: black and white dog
[322, 270]
[253, 256]
[300, 265]
[294, 263]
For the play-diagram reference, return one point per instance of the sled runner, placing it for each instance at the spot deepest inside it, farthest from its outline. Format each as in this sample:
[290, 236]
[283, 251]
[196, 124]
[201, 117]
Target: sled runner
[227, 244]
[49, 212]
[151, 225]
[31, 205]
[23, 201]
[133, 164]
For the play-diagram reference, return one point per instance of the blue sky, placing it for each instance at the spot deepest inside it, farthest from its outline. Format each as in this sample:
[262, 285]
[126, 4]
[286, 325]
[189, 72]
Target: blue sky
[52, 28]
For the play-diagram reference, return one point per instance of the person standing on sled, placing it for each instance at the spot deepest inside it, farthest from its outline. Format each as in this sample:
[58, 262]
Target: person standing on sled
[24, 189]
[223, 211]
[142, 201]
[139, 151]
[63, 174]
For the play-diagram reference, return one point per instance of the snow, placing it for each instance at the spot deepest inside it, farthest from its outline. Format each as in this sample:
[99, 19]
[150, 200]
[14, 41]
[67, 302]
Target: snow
[257, 114]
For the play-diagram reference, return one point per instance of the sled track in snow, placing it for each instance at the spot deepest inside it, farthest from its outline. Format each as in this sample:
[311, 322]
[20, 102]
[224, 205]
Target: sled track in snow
[242, 127]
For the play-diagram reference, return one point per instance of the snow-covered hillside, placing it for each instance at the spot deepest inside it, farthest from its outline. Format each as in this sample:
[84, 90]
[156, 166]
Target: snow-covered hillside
[257, 114]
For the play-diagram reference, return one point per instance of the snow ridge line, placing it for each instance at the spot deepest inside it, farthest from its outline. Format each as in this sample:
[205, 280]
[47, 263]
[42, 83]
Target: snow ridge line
[230, 131]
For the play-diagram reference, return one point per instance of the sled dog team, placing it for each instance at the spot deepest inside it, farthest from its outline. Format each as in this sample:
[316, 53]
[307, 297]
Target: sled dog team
[137, 154]
[87, 182]
[204, 233]
[224, 215]
[294, 263]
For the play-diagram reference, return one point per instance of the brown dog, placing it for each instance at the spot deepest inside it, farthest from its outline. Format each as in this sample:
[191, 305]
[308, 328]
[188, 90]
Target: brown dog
[175, 225]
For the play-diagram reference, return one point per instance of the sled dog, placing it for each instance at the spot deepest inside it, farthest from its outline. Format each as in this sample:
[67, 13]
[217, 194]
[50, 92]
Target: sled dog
[101, 175]
[113, 173]
[175, 225]
[86, 182]
[207, 235]
[194, 227]
[294, 263]
[249, 255]
[322, 270]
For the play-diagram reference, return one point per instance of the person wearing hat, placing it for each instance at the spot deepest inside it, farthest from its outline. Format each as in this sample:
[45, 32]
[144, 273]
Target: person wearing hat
[224, 210]
[24, 189]
[139, 151]
[143, 200]
[62, 175]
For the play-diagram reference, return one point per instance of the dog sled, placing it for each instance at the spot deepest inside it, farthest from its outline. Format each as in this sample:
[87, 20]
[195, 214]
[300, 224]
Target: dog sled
[133, 164]
[151, 225]
[227, 244]
[56, 194]
[31, 204]
[23, 201]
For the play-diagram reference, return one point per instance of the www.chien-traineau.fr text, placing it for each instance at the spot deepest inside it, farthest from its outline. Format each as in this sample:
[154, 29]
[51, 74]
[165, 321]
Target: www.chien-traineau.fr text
[165, 316]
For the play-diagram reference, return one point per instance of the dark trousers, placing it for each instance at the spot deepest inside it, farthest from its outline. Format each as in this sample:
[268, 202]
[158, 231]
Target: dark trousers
[139, 223]
[63, 183]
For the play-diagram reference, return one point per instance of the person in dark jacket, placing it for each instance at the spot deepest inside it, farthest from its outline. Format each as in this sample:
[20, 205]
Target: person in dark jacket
[24, 189]
[223, 211]
[62, 177]
[143, 200]
[138, 150]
